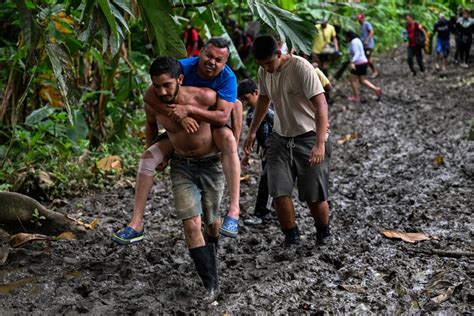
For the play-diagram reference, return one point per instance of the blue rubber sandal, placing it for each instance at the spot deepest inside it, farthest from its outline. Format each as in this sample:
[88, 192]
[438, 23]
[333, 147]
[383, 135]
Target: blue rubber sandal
[230, 227]
[127, 235]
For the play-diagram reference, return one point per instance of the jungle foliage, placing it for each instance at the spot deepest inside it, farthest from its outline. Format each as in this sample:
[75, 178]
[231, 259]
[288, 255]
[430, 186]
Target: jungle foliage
[73, 72]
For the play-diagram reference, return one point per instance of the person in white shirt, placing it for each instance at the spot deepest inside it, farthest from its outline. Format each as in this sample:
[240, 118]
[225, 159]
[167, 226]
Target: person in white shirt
[359, 65]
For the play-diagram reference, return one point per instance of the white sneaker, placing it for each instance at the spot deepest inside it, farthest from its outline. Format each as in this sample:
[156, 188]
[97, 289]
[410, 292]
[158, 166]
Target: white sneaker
[437, 67]
[464, 65]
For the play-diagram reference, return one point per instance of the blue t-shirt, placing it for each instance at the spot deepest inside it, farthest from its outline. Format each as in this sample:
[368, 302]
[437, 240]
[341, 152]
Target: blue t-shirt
[442, 27]
[225, 84]
[365, 29]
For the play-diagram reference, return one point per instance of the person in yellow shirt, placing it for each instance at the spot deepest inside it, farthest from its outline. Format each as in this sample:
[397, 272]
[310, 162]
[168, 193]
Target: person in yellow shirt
[324, 80]
[325, 45]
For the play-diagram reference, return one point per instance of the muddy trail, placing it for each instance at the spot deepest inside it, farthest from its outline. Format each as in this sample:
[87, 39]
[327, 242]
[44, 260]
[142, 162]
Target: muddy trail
[408, 167]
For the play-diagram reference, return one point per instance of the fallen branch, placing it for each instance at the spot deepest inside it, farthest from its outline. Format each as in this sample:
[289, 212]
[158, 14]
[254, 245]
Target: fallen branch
[443, 253]
[15, 206]
[92, 225]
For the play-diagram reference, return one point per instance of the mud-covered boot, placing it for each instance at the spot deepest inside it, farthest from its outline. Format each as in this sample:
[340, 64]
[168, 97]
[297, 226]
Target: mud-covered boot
[292, 236]
[323, 235]
[206, 266]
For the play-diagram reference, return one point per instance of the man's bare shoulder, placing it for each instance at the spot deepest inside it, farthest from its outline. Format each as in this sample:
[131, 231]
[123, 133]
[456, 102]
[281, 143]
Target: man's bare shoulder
[150, 96]
[200, 95]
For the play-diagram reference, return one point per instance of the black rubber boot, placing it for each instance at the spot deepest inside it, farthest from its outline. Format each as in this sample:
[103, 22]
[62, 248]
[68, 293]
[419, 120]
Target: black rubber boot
[292, 236]
[322, 233]
[205, 261]
[212, 241]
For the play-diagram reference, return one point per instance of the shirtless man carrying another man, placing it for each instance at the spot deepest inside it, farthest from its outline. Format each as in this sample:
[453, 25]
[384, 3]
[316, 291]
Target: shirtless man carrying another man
[209, 70]
[196, 170]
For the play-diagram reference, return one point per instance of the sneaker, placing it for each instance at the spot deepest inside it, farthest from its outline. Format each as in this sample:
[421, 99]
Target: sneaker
[353, 98]
[259, 219]
[464, 65]
[127, 235]
[254, 220]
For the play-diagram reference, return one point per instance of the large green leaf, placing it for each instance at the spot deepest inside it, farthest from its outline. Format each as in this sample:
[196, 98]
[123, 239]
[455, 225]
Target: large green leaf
[216, 28]
[114, 41]
[119, 17]
[162, 29]
[39, 115]
[89, 17]
[293, 30]
[124, 5]
[29, 28]
[63, 71]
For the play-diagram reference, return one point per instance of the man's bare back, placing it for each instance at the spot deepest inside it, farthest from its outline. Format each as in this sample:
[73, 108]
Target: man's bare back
[186, 144]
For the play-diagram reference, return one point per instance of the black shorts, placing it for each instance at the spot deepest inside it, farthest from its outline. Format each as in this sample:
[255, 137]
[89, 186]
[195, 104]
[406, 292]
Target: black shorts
[360, 70]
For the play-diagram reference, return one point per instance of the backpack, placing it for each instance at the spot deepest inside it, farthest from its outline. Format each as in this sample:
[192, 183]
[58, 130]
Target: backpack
[419, 36]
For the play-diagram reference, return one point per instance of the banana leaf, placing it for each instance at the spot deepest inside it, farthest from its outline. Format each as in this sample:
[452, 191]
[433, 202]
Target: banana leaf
[216, 28]
[164, 33]
[63, 72]
[296, 32]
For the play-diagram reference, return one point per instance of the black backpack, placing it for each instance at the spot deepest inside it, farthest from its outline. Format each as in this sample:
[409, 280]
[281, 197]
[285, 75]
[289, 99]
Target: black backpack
[419, 36]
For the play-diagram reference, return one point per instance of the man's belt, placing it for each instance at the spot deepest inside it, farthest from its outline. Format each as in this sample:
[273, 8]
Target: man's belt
[197, 160]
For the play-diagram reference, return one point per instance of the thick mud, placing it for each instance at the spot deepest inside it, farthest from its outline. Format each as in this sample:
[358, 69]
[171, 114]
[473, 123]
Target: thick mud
[385, 178]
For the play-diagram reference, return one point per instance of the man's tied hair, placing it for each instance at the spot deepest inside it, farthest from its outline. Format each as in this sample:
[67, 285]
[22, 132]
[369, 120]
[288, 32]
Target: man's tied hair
[218, 42]
[264, 46]
[165, 65]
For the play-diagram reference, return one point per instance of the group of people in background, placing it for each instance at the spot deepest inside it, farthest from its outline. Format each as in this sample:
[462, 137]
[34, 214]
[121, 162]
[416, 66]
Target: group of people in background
[463, 30]
[198, 102]
[460, 25]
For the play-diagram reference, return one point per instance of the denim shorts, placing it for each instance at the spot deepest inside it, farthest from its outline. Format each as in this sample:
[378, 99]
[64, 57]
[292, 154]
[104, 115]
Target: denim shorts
[288, 162]
[442, 47]
[198, 186]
